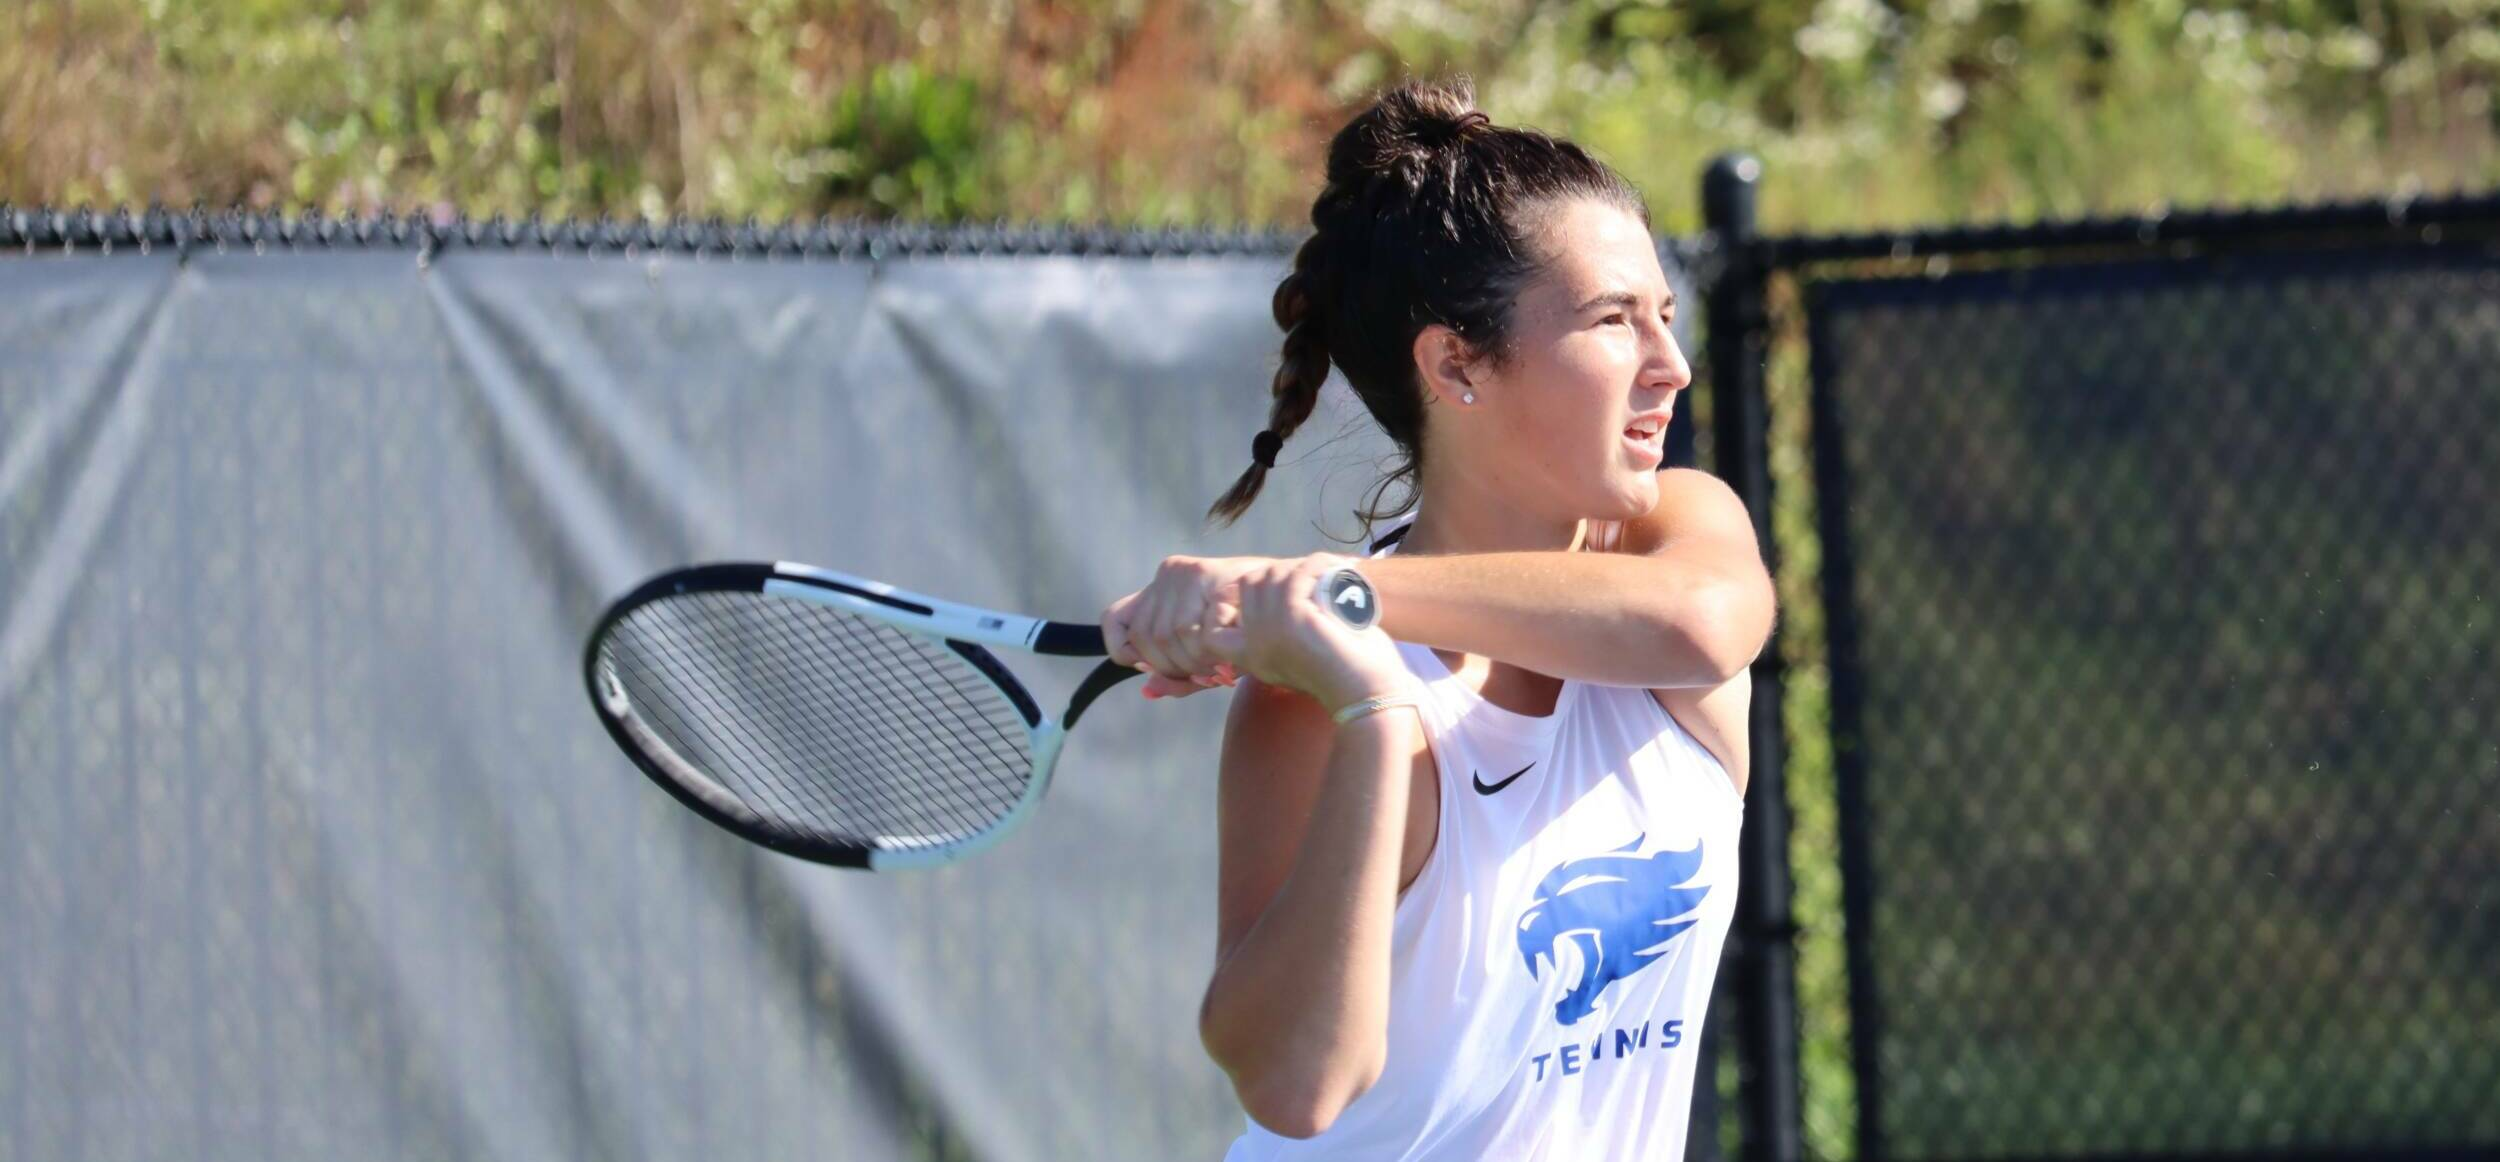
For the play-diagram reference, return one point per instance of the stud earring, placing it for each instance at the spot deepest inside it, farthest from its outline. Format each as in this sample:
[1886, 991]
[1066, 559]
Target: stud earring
[1467, 397]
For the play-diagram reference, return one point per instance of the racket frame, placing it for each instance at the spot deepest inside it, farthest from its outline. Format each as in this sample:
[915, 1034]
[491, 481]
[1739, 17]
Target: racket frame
[965, 629]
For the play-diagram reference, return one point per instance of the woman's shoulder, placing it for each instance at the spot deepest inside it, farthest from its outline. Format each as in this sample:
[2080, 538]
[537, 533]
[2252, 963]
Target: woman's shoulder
[1693, 504]
[1690, 501]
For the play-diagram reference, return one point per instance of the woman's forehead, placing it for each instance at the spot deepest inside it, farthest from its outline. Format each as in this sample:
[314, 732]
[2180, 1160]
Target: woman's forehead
[1592, 247]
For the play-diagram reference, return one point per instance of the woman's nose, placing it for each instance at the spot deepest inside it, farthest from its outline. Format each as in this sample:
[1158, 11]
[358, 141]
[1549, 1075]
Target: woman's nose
[1667, 370]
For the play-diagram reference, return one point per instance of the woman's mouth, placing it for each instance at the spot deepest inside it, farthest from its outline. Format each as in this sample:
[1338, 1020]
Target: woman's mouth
[1646, 435]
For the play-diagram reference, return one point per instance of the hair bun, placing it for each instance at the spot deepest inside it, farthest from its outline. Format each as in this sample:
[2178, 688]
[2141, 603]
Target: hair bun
[1405, 129]
[1441, 132]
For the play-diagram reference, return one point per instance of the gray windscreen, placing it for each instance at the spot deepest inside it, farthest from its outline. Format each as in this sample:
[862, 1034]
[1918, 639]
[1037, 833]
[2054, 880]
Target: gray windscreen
[311, 843]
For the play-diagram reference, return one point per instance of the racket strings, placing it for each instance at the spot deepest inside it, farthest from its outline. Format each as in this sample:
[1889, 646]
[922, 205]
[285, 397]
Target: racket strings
[821, 739]
[691, 735]
[834, 726]
[993, 750]
[909, 659]
[855, 740]
[903, 653]
[689, 726]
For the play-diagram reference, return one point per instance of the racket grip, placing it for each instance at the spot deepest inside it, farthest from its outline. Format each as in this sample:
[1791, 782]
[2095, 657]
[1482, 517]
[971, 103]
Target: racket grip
[1069, 640]
[1349, 595]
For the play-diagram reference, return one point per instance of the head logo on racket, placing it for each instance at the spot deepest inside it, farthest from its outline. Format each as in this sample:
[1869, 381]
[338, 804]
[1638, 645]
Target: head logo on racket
[1350, 595]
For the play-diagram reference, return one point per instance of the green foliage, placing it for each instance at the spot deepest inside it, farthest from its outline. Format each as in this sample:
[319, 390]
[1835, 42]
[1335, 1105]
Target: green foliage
[1867, 113]
[908, 144]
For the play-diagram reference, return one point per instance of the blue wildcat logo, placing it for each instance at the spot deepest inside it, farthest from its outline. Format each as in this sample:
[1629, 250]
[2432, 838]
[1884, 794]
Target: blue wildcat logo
[1621, 910]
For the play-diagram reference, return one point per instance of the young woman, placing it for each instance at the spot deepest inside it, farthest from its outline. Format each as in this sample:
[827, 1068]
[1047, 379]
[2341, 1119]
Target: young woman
[1476, 863]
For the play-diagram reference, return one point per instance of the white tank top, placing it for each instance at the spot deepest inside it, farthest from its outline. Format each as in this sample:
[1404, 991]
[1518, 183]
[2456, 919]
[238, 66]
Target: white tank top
[1551, 964]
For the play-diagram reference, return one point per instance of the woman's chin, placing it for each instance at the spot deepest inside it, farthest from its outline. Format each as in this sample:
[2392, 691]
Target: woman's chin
[1634, 495]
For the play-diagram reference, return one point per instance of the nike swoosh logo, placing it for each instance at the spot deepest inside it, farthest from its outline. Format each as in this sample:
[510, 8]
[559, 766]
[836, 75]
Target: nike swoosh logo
[1483, 789]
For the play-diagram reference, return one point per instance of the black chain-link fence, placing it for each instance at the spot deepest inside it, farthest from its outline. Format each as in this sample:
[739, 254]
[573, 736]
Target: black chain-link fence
[2162, 588]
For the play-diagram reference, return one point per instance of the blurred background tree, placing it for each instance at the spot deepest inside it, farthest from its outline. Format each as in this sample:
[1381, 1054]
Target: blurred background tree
[1216, 111]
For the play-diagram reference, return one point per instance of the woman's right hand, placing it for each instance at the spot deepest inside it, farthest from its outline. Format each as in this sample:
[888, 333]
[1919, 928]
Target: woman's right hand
[1283, 635]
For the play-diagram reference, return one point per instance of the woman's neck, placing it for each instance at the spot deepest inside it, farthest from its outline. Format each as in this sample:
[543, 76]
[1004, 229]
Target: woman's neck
[1459, 519]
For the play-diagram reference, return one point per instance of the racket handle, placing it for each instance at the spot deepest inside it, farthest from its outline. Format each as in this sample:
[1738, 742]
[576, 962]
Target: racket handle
[1349, 595]
[1345, 592]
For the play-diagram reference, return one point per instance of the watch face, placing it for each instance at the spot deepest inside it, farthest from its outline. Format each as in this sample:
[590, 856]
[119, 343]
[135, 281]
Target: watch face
[1351, 597]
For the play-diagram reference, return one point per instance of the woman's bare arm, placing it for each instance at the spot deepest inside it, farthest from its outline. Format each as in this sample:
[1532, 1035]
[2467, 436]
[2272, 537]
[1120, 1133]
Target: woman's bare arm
[1684, 602]
[1311, 824]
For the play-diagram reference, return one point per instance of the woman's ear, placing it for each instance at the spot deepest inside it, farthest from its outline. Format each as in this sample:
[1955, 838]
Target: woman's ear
[1447, 365]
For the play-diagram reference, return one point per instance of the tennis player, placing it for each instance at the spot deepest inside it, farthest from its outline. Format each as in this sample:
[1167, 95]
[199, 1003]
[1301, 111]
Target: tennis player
[1476, 863]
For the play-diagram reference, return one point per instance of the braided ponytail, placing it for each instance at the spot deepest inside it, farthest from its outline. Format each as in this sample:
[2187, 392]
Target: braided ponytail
[1299, 376]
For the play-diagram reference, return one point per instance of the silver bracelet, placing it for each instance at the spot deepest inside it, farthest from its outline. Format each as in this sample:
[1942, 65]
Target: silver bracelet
[1374, 705]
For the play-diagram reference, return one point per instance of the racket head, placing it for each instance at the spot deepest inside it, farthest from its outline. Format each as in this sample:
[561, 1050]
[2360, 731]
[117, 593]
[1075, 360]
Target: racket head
[818, 715]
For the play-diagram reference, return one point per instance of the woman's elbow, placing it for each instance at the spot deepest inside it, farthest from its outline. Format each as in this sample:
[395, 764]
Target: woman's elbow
[1718, 634]
[1298, 1108]
[1292, 1099]
[1289, 1118]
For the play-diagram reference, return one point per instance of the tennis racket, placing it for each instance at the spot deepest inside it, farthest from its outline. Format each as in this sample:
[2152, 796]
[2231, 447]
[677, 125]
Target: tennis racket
[843, 720]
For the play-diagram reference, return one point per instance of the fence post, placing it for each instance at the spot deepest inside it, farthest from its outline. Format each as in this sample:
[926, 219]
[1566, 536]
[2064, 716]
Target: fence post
[1765, 968]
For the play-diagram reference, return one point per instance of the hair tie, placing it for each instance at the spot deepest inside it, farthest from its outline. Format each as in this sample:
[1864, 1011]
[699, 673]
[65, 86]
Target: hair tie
[1263, 448]
[1471, 119]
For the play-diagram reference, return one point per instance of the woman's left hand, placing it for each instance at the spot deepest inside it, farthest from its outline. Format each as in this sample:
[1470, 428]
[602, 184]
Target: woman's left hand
[1161, 628]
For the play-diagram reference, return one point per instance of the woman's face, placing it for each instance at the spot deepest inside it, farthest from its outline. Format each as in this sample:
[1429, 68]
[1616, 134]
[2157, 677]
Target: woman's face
[1573, 422]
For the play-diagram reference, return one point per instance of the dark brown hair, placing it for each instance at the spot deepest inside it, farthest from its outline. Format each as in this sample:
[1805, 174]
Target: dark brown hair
[1426, 217]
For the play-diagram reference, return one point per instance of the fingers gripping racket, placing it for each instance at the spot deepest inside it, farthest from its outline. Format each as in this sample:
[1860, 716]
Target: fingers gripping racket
[840, 719]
